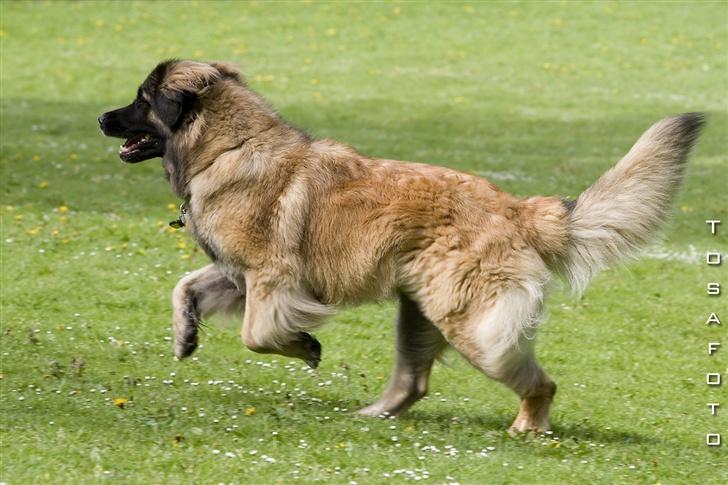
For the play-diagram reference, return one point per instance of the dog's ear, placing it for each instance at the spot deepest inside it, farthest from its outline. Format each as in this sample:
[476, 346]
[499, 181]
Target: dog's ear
[228, 70]
[194, 77]
[183, 82]
[189, 76]
[172, 107]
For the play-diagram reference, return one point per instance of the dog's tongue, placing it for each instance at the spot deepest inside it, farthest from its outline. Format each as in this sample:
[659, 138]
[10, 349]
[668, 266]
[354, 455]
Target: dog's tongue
[133, 140]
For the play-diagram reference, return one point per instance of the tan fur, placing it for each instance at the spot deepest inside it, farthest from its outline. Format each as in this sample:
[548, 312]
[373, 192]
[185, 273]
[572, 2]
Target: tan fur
[302, 226]
[616, 216]
[190, 76]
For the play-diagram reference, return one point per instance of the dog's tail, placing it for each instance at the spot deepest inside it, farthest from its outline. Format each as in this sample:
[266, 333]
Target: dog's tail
[620, 212]
[615, 217]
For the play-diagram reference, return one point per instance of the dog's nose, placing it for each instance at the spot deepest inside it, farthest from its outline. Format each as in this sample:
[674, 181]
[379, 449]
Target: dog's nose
[102, 118]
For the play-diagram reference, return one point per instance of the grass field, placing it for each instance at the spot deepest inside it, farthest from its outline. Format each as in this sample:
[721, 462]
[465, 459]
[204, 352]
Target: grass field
[539, 97]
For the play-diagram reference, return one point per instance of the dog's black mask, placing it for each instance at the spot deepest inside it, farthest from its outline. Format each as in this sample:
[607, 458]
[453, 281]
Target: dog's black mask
[148, 121]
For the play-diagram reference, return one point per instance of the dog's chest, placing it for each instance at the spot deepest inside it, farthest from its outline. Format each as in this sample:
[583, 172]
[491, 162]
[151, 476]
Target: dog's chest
[227, 238]
[197, 224]
[205, 242]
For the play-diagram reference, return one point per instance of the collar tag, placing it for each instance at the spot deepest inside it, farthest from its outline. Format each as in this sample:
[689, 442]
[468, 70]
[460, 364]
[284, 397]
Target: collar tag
[182, 219]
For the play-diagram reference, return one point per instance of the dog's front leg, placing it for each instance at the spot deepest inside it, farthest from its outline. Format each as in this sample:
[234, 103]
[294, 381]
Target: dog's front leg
[199, 295]
[278, 317]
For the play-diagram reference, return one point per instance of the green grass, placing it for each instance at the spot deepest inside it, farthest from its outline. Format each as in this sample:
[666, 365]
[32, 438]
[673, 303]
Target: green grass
[541, 97]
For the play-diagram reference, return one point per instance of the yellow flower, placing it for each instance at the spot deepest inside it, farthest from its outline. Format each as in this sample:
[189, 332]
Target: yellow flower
[36, 158]
[120, 402]
[331, 32]
[249, 411]
[43, 184]
[63, 209]
[171, 207]
[73, 156]
[181, 245]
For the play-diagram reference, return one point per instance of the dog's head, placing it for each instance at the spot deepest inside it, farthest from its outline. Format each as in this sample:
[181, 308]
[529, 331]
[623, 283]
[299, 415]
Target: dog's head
[165, 103]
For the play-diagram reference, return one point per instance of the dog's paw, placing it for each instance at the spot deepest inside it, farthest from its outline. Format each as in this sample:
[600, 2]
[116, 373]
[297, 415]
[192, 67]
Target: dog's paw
[186, 343]
[376, 410]
[311, 349]
[522, 426]
[184, 349]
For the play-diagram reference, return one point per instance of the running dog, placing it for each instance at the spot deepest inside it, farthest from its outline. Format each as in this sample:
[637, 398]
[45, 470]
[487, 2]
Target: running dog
[296, 227]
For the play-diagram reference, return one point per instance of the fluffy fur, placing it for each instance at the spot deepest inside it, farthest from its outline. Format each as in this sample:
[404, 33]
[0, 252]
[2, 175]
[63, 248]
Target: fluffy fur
[617, 215]
[297, 227]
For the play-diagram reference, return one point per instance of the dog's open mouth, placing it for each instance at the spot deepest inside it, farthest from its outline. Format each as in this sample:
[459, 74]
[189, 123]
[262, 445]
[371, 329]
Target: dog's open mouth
[140, 147]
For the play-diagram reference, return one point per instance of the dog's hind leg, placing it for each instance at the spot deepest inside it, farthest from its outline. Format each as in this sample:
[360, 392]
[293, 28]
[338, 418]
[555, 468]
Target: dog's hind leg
[278, 317]
[419, 342]
[199, 295]
[499, 342]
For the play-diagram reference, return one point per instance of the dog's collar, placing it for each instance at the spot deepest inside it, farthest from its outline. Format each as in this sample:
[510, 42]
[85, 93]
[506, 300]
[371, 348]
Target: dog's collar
[182, 219]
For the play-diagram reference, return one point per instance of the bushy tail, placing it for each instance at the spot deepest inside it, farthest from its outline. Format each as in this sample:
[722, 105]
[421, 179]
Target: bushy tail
[621, 212]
